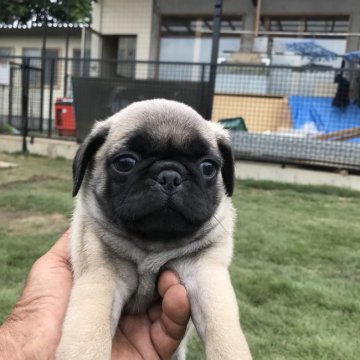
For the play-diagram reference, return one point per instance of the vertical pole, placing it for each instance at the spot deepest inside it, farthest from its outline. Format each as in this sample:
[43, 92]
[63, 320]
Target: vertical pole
[214, 56]
[82, 53]
[43, 53]
[67, 36]
[202, 108]
[52, 71]
[11, 84]
[25, 101]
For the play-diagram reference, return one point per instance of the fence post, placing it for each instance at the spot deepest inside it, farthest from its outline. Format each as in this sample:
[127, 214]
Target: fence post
[67, 36]
[203, 104]
[11, 84]
[52, 70]
[25, 101]
[214, 56]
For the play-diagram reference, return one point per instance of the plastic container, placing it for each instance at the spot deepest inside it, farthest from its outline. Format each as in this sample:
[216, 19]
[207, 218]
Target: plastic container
[237, 123]
[64, 117]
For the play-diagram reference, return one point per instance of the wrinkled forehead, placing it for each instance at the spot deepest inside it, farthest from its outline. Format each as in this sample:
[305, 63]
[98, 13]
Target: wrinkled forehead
[162, 132]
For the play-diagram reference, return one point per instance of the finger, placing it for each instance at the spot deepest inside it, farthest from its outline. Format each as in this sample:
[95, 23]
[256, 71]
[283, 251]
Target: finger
[136, 330]
[175, 302]
[155, 311]
[176, 311]
[167, 279]
[61, 248]
[168, 331]
[56, 262]
[122, 347]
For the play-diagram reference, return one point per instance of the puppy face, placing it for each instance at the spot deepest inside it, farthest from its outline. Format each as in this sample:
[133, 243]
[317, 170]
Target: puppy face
[156, 170]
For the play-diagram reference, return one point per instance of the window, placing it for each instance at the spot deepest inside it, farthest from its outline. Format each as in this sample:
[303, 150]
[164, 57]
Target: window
[307, 25]
[4, 66]
[50, 65]
[126, 52]
[81, 67]
[311, 24]
[189, 39]
[191, 26]
[5, 53]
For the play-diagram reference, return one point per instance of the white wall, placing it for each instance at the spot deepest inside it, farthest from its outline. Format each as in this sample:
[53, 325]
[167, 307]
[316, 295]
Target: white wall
[17, 43]
[125, 17]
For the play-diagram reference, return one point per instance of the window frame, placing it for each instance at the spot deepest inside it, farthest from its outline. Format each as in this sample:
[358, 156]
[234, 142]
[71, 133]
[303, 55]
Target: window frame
[37, 58]
[206, 19]
[76, 61]
[303, 20]
[6, 57]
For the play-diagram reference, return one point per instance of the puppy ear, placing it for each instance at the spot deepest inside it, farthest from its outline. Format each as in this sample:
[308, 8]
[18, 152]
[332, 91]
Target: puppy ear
[228, 167]
[85, 154]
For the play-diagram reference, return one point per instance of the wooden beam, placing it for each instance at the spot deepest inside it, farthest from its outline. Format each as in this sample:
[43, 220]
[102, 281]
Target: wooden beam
[340, 135]
[257, 19]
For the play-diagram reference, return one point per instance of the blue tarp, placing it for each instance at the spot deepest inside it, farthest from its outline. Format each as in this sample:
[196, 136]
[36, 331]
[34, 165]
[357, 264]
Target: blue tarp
[325, 117]
[316, 52]
[311, 50]
[352, 56]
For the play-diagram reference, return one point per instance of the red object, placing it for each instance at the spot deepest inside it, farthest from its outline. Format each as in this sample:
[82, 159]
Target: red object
[64, 117]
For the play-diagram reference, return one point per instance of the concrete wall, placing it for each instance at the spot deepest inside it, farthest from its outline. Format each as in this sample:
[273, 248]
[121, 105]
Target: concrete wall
[126, 17]
[293, 175]
[203, 7]
[39, 146]
[273, 7]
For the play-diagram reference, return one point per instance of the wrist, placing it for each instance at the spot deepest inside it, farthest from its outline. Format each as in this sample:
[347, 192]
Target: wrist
[10, 349]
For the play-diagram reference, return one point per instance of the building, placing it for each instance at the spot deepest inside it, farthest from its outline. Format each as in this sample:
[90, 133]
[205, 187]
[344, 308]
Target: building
[20, 41]
[27, 41]
[180, 30]
[152, 31]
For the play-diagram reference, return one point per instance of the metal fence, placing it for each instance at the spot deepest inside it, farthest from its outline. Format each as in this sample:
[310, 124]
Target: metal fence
[307, 115]
[304, 115]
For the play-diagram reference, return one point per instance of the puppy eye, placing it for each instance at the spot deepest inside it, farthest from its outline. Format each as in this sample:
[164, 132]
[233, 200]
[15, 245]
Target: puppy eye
[208, 168]
[124, 163]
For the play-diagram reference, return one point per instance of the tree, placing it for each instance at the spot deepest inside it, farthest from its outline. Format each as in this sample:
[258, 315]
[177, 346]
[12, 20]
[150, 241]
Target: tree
[53, 11]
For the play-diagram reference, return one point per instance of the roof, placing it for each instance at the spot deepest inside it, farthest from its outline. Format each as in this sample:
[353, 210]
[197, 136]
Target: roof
[36, 29]
[32, 25]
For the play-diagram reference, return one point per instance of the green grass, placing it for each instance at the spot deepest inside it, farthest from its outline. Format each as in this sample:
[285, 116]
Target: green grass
[296, 268]
[35, 207]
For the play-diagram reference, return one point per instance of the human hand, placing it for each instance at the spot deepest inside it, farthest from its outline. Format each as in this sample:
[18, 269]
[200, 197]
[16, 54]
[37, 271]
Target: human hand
[157, 334]
[33, 328]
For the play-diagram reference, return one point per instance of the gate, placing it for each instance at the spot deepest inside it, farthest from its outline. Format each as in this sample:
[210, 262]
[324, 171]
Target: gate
[24, 96]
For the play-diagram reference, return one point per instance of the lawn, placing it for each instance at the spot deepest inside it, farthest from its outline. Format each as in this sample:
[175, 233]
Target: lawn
[296, 268]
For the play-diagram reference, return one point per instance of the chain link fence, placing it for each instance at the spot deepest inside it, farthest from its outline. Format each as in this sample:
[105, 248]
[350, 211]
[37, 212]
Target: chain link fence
[303, 115]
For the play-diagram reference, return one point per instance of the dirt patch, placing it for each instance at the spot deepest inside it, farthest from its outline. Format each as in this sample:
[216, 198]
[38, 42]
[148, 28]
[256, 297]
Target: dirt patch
[8, 216]
[32, 179]
[39, 223]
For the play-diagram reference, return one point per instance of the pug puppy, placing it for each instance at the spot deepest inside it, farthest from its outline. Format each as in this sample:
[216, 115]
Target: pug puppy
[153, 185]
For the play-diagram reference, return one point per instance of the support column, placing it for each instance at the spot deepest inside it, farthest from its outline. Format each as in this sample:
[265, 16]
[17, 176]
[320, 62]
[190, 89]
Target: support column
[353, 43]
[247, 40]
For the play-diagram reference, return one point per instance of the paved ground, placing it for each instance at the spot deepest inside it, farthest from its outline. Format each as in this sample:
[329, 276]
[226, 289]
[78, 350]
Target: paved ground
[7, 165]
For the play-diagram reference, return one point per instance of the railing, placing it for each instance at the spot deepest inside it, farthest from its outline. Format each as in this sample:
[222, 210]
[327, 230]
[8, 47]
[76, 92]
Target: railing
[304, 115]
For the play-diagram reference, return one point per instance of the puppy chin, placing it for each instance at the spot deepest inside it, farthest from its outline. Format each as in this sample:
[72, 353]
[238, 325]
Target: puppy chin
[154, 215]
[163, 225]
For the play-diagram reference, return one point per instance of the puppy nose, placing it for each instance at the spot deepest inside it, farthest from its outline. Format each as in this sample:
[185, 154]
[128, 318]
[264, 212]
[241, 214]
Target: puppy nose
[169, 180]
